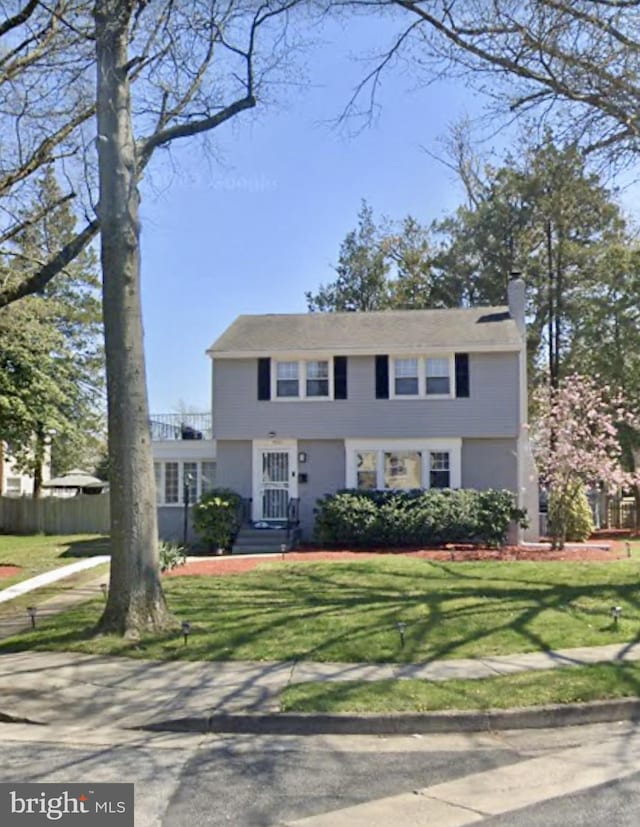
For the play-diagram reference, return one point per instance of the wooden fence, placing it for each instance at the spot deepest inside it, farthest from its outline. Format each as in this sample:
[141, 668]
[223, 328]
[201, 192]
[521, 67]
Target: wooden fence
[85, 514]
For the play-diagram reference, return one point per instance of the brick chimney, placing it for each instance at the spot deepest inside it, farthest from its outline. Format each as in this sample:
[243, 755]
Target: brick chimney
[517, 299]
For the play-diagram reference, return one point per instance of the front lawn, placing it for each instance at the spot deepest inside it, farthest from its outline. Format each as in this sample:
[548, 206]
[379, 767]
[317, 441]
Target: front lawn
[573, 684]
[349, 611]
[36, 553]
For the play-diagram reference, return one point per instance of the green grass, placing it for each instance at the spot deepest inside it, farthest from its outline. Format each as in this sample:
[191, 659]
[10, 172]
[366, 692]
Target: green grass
[348, 611]
[573, 684]
[37, 553]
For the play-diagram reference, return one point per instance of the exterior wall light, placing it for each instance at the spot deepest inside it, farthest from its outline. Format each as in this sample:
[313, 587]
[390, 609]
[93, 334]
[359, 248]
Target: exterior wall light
[302, 456]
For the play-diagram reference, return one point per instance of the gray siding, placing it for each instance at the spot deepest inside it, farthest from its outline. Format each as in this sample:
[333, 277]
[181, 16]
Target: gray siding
[490, 463]
[491, 410]
[326, 474]
[171, 524]
[234, 466]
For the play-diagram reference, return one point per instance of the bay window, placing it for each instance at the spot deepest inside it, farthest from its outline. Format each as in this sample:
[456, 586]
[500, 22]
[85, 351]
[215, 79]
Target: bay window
[403, 464]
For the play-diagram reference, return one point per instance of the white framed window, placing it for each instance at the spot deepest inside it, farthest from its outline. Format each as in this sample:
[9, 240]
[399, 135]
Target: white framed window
[439, 469]
[287, 381]
[157, 470]
[437, 376]
[422, 377]
[14, 486]
[301, 379]
[317, 384]
[171, 483]
[190, 476]
[402, 469]
[171, 475]
[406, 377]
[403, 464]
[366, 469]
[208, 477]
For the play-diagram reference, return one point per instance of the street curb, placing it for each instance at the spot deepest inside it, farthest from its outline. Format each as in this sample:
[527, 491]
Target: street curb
[402, 723]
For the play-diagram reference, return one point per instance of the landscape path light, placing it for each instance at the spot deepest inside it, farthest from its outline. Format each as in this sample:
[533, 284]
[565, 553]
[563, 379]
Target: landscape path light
[402, 628]
[32, 611]
[186, 629]
[616, 613]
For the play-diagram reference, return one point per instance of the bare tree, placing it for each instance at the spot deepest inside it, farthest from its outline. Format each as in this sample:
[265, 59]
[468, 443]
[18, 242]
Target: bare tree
[192, 66]
[578, 60]
[165, 71]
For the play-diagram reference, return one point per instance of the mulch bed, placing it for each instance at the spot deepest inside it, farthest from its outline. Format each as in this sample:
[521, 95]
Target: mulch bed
[237, 565]
[9, 571]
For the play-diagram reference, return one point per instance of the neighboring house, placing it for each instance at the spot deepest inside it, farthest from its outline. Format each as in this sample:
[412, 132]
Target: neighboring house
[15, 483]
[307, 404]
[184, 452]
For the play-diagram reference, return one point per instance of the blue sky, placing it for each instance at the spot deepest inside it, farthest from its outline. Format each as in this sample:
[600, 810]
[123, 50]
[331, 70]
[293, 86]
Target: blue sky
[253, 232]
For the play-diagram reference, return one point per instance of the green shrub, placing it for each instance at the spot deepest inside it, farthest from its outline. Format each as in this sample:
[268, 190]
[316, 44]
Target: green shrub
[570, 515]
[171, 556]
[216, 517]
[411, 518]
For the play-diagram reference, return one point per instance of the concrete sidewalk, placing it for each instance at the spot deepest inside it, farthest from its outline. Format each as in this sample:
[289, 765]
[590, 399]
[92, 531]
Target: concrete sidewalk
[75, 689]
[49, 577]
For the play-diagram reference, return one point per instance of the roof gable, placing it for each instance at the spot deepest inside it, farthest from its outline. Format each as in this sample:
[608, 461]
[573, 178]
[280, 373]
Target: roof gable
[386, 331]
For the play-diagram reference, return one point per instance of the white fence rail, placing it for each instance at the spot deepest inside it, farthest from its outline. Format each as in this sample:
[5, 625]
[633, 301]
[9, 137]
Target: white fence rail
[85, 514]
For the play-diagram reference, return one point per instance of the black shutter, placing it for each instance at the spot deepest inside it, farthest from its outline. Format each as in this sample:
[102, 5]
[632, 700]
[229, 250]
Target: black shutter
[339, 377]
[382, 377]
[264, 378]
[462, 374]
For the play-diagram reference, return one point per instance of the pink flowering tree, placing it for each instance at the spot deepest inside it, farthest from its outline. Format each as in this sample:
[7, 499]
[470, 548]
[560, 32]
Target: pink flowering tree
[576, 441]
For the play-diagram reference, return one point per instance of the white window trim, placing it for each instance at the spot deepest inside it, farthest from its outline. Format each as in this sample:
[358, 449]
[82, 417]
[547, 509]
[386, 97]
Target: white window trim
[452, 445]
[160, 501]
[422, 376]
[302, 379]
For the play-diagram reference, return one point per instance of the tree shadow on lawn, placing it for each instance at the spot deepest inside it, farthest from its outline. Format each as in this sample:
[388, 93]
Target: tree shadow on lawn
[359, 622]
[87, 548]
[326, 613]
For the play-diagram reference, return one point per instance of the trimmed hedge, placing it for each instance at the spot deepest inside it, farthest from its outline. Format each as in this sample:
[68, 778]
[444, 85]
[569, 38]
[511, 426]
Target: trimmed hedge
[415, 518]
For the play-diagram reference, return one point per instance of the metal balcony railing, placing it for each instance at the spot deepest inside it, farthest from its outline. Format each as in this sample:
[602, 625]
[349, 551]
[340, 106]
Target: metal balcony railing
[181, 426]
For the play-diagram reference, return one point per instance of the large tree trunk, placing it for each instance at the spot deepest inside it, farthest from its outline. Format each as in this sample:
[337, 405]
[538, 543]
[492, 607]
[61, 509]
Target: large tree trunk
[136, 602]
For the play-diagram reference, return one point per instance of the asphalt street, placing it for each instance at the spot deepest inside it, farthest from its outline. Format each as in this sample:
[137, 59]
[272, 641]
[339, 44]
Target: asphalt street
[258, 780]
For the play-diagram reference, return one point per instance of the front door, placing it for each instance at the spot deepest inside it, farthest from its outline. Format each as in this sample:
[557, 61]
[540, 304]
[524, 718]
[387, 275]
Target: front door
[275, 481]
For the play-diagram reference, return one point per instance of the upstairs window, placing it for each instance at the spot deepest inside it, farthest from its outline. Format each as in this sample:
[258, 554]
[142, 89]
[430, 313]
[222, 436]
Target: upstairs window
[406, 377]
[302, 379]
[419, 377]
[318, 379]
[287, 384]
[438, 381]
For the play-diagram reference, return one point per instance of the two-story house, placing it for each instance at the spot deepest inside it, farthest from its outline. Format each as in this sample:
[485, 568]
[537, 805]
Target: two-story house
[307, 404]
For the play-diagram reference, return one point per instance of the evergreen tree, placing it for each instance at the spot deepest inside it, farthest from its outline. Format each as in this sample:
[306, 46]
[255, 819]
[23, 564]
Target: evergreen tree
[51, 361]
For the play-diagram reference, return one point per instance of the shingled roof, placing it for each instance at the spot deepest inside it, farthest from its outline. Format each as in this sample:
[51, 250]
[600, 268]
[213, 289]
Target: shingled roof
[384, 331]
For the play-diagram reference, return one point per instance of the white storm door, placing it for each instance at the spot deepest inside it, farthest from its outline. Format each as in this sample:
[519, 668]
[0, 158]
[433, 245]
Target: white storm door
[275, 481]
